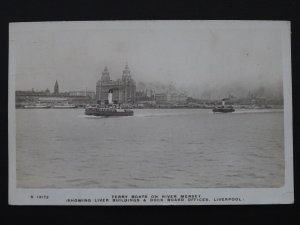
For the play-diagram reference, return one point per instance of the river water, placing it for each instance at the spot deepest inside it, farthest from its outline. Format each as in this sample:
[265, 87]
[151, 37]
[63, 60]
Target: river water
[155, 148]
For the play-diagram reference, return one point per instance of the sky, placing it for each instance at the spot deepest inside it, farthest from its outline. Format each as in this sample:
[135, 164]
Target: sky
[192, 55]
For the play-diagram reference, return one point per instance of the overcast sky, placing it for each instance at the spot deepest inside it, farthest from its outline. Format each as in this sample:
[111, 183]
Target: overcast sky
[188, 54]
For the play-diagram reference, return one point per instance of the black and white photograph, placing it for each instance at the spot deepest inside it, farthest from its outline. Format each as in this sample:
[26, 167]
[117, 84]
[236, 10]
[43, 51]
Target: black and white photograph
[150, 113]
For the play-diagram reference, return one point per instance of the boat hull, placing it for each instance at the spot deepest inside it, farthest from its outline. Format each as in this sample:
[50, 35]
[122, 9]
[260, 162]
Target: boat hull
[108, 113]
[223, 110]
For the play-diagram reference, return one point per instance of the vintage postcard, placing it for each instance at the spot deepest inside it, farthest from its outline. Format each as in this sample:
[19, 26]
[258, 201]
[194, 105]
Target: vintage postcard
[150, 113]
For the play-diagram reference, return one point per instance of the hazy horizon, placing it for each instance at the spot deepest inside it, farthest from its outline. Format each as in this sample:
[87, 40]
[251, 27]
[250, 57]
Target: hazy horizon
[193, 56]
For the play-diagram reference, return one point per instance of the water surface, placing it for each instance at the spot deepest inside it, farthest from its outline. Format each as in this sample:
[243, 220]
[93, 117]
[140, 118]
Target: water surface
[155, 148]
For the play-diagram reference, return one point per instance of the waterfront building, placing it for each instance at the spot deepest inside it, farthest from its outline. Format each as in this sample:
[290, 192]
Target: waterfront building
[90, 94]
[170, 98]
[33, 93]
[161, 98]
[52, 100]
[124, 89]
[176, 98]
[145, 95]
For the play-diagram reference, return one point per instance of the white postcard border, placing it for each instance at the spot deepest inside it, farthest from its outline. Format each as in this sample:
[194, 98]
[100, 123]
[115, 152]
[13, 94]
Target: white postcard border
[195, 196]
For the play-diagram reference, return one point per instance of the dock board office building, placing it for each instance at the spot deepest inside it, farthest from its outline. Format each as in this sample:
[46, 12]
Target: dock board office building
[124, 89]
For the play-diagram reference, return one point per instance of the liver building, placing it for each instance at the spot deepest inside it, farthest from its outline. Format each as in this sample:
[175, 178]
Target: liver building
[123, 90]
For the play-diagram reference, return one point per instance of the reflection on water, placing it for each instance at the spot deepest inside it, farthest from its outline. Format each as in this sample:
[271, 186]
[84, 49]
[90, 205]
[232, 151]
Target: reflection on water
[155, 148]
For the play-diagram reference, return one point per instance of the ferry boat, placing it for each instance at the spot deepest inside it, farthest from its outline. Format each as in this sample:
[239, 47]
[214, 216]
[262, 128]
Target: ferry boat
[37, 106]
[223, 108]
[108, 110]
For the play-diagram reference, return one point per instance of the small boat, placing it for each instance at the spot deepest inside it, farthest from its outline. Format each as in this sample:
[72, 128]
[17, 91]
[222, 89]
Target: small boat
[223, 108]
[37, 106]
[64, 106]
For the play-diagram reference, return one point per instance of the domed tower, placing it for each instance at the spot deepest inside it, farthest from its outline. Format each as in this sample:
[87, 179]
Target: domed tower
[56, 88]
[128, 86]
[105, 75]
[126, 73]
[100, 85]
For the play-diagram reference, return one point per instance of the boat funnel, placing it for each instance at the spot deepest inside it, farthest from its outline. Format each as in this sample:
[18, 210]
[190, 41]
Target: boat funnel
[110, 96]
[223, 103]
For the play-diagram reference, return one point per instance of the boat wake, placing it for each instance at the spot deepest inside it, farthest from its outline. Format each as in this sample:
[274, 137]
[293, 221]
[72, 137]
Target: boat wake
[165, 114]
[246, 111]
[169, 114]
[90, 116]
[102, 117]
